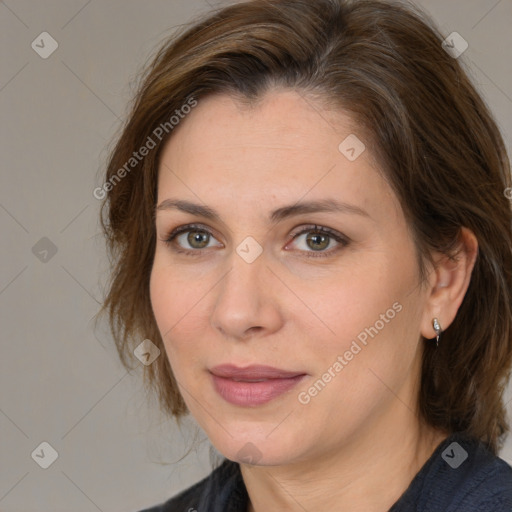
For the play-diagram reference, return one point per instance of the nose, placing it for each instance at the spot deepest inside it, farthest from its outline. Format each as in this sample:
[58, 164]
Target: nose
[247, 301]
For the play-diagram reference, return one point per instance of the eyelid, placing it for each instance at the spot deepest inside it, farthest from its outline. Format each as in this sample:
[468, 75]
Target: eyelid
[187, 227]
[341, 240]
[170, 239]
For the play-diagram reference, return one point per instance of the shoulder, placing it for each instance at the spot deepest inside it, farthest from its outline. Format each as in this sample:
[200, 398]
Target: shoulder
[222, 490]
[462, 474]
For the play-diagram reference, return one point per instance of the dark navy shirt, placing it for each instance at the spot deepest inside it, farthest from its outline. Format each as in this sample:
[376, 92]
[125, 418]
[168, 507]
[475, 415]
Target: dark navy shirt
[462, 475]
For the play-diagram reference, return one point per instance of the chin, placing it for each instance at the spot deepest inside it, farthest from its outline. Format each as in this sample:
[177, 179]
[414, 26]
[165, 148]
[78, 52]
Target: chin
[255, 447]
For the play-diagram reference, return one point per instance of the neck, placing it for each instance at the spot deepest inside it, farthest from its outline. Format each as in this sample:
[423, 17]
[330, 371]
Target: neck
[369, 472]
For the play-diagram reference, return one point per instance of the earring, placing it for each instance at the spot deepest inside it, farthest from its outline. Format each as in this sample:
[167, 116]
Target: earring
[437, 328]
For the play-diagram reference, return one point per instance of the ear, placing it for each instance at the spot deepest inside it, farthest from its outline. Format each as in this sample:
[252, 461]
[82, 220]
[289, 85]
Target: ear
[448, 284]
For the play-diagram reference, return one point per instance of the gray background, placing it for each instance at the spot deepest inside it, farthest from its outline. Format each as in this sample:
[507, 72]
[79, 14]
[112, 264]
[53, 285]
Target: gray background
[60, 380]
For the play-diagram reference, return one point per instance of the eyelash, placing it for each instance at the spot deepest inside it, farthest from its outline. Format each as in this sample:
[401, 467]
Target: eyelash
[342, 240]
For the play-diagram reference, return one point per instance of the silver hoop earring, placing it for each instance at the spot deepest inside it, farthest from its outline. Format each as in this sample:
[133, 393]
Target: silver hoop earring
[437, 328]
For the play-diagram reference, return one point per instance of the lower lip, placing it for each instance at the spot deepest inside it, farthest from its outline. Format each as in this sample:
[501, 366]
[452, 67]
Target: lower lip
[247, 394]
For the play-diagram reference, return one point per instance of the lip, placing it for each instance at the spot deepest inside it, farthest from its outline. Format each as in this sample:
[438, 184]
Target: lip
[231, 383]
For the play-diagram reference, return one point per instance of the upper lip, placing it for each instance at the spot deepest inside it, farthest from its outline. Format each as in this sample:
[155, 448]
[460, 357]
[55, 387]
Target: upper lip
[231, 371]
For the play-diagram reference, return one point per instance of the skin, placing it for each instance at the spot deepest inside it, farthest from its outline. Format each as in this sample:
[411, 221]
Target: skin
[358, 443]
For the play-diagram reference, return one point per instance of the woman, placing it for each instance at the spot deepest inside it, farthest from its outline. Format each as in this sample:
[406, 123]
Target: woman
[308, 217]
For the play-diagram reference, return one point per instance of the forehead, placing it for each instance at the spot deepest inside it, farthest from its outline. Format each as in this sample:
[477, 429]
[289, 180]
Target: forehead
[280, 119]
[283, 147]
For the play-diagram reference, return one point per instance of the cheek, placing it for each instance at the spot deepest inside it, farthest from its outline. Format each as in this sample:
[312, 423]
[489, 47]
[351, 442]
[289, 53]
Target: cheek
[356, 380]
[167, 301]
[179, 313]
[369, 329]
[161, 295]
[349, 300]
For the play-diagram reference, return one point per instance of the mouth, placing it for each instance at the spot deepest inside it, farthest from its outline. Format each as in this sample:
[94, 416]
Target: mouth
[253, 385]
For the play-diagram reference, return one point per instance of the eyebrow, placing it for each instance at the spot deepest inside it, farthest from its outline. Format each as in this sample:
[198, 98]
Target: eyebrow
[324, 205]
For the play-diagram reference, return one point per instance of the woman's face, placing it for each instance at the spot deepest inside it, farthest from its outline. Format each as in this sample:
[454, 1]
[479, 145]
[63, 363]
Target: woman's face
[328, 297]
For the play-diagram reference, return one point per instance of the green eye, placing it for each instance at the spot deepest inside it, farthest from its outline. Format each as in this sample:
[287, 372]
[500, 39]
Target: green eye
[198, 238]
[318, 239]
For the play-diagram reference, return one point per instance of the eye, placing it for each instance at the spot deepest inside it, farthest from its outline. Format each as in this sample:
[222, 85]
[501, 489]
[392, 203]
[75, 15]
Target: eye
[317, 239]
[192, 239]
[195, 236]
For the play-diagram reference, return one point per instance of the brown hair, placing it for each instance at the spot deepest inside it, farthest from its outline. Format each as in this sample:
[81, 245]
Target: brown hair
[431, 132]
